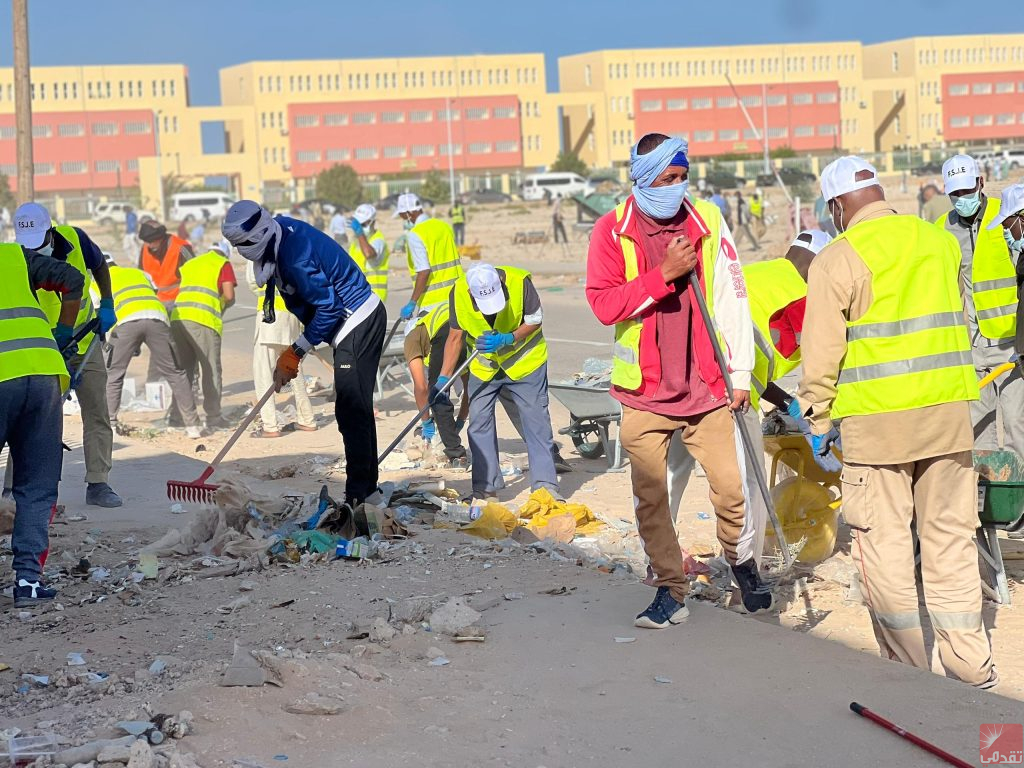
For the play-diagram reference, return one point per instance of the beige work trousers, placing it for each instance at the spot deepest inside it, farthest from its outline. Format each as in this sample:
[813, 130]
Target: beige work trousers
[97, 434]
[937, 497]
[264, 360]
[709, 438]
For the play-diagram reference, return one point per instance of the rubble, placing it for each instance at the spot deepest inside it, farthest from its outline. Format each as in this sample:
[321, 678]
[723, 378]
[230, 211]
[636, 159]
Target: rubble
[244, 670]
[141, 756]
[314, 704]
[453, 617]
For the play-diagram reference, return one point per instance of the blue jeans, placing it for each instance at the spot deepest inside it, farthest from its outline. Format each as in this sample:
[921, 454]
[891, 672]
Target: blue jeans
[31, 424]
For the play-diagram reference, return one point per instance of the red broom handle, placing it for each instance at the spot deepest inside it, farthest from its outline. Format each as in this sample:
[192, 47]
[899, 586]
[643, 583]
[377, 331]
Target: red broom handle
[863, 711]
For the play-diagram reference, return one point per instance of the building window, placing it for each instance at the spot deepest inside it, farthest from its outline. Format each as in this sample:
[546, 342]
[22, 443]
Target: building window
[895, 61]
[506, 146]
[826, 97]
[751, 101]
[456, 149]
[445, 114]
[1008, 118]
[802, 98]
[959, 89]
[366, 153]
[1004, 87]
[983, 119]
[777, 133]
[133, 164]
[959, 121]
[107, 166]
[364, 118]
[266, 155]
[776, 100]
[829, 129]
[421, 116]
[338, 155]
[393, 152]
[981, 89]
[308, 156]
[587, 79]
[650, 105]
[7, 132]
[8, 169]
[803, 130]
[749, 134]
[675, 105]
[334, 119]
[263, 119]
[703, 136]
[307, 121]
[725, 102]
[502, 113]
[423, 150]
[477, 113]
[43, 169]
[136, 126]
[480, 148]
[172, 88]
[261, 83]
[703, 102]
[41, 131]
[70, 129]
[729, 134]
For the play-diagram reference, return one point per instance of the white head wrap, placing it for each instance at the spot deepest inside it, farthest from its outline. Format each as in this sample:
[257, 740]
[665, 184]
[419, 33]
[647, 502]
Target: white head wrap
[252, 229]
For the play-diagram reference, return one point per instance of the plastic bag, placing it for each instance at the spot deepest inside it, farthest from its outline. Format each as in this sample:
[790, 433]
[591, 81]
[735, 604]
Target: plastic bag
[542, 507]
[495, 522]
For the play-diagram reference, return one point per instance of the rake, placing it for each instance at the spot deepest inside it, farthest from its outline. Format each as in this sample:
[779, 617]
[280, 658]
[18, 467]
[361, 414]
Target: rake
[199, 491]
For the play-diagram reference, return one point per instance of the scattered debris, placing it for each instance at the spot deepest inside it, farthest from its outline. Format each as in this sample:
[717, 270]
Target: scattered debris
[625, 639]
[663, 680]
[314, 704]
[243, 671]
[440, 661]
[453, 617]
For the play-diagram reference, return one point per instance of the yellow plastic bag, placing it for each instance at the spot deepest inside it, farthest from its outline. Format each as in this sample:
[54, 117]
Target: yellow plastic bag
[541, 507]
[495, 522]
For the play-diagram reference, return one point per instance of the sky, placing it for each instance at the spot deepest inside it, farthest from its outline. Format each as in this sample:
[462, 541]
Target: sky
[207, 35]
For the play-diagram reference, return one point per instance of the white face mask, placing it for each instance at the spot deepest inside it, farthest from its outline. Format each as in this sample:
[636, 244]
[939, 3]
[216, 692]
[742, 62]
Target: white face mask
[45, 250]
[840, 228]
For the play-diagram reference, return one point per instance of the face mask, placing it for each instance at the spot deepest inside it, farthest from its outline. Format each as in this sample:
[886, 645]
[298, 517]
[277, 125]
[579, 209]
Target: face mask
[1013, 243]
[406, 225]
[661, 202]
[837, 220]
[967, 205]
[45, 250]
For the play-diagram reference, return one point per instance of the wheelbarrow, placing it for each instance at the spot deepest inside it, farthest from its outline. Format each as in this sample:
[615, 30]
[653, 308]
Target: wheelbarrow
[1000, 508]
[592, 411]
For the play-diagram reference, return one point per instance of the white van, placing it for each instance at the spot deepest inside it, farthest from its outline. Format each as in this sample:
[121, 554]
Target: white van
[199, 205]
[536, 185]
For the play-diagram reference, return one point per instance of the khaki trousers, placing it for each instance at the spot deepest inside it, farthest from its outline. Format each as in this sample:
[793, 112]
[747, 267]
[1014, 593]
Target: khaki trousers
[709, 438]
[937, 497]
[197, 349]
[264, 360]
[97, 434]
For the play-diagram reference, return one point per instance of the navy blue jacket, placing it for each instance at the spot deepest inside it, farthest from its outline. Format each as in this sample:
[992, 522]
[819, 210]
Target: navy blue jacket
[318, 280]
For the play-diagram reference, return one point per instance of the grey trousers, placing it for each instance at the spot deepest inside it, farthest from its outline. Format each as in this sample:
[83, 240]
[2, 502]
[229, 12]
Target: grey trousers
[1005, 394]
[31, 424]
[198, 351]
[531, 396]
[126, 340]
[97, 434]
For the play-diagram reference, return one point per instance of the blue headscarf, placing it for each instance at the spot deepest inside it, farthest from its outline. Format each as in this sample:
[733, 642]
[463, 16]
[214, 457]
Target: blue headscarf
[658, 202]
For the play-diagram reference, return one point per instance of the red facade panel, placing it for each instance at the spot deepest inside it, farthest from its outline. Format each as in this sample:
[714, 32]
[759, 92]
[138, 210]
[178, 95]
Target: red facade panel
[983, 106]
[395, 136]
[804, 116]
[82, 150]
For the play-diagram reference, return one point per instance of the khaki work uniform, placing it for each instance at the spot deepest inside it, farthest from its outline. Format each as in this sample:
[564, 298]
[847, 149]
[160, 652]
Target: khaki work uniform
[905, 471]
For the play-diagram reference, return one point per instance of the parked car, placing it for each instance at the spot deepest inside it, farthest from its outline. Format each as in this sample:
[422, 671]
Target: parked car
[481, 196]
[200, 205]
[106, 214]
[389, 202]
[788, 175]
[720, 179]
[538, 186]
[1014, 157]
[934, 168]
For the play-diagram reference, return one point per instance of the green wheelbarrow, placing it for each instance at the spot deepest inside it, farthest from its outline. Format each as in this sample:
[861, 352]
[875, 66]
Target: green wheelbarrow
[1000, 508]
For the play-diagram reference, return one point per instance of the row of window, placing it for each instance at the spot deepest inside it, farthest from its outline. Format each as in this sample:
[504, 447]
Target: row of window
[623, 138]
[400, 151]
[966, 121]
[971, 55]
[383, 81]
[986, 89]
[98, 89]
[73, 167]
[333, 119]
[745, 66]
[729, 102]
[73, 130]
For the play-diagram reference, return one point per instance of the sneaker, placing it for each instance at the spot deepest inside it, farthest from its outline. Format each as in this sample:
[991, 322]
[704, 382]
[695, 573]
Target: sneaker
[561, 465]
[193, 433]
[757, 596]
[663, 612]
[992, 682]
[30, 593]
[101, 495]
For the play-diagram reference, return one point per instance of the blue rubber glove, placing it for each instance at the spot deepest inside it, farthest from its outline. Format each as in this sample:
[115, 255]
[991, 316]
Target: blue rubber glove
[407, 310]
[492, 341]
[356, 227]
[62, 335]
[106, 315]
[437, 397]
[429, 430]
[794, 413]
[821, 445]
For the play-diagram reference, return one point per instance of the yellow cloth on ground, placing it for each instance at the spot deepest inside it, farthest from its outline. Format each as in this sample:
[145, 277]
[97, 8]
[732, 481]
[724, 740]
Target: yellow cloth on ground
[495, 522]
[542, 507]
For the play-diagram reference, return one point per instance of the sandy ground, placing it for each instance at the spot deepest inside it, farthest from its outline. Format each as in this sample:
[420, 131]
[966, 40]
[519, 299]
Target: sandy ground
[551, 686]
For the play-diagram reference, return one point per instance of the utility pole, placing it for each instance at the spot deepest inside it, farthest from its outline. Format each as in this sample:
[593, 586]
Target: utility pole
[451, 150]
[23, 102]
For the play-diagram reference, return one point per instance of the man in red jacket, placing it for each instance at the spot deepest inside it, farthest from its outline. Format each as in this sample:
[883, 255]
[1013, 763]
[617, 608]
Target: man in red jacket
[665, 373]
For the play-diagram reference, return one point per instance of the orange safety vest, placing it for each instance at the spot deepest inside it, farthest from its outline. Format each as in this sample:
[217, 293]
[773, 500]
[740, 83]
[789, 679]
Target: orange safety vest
[164, 273]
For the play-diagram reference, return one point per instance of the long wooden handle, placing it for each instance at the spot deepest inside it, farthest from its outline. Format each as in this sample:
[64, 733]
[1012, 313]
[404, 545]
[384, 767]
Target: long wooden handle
[241, 428]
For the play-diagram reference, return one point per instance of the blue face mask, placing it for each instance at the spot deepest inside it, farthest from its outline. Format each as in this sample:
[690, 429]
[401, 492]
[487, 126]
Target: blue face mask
[661, 202]
[967, 205]
[1013, 243]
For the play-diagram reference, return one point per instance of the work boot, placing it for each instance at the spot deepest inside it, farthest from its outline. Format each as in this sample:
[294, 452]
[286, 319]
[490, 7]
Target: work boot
[561, 465]
[31, 593]
[101, 495]
[757, 596]
[663, 612]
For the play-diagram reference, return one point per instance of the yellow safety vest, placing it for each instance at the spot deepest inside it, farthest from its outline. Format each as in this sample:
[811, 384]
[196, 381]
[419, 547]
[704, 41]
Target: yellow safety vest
[771, 286]
[261, 292]
[626, 371]
[199, 298]
[993, 278]
[27, 347]
[49, 301]
[445, 262]
[458, 214]
[434, 321]
[132, 293]
[756, 207]
[517, 361]
[910, 349]
[377, 278]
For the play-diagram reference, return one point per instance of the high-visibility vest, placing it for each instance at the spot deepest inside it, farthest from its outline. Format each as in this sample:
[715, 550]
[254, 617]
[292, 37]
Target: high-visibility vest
[434, 321]
[261, 292]
[378, 277]
[445, 262]
[27, 347]
[756, 207]
[199, 298]
[910, 349]
[518, 360]
[458, 214]
[164, 271]
[626, 371]
[50, 301]
[993, 278]
[771, 286]
[132, 293]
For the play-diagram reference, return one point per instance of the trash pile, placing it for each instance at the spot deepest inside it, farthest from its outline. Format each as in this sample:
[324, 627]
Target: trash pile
[596, 372]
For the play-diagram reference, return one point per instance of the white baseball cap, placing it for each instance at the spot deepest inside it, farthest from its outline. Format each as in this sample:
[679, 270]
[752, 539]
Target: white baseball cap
[1010, 202]
[819, 240]
[486, 289]
[959, 172]
[407, 203]
[840, 177]
[31, 223]
[364, 213]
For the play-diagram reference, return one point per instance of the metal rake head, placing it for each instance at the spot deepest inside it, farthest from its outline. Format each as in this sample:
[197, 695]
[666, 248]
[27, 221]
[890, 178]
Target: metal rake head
[195, 492]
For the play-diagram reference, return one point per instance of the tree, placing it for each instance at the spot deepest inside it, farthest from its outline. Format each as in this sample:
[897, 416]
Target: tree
[569, 162]
[7, 199]
[435, 187]
[340, 184]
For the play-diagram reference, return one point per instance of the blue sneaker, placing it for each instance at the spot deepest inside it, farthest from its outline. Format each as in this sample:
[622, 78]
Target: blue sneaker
[31, 593]
[664, 611]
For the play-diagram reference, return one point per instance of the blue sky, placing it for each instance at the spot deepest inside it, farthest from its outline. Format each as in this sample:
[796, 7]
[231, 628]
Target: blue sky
[209, 34]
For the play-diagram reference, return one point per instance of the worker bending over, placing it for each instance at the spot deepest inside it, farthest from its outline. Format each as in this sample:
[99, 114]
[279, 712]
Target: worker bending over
[33, 379]
[886, 351]
[161, 258]
[499, 311]
[197, 325]
[433, 257]
[988, 287]
[33, 231]
[322, 286]
[665, 373]
[370, 251]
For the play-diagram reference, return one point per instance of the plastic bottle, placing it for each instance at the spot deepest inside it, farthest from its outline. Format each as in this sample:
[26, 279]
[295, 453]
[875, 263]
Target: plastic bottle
[461, 514]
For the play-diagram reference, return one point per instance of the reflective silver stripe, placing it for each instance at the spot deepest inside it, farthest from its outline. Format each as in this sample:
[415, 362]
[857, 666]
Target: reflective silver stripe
[442, 284]
[131, 288]
[198, 289]
[22, 313]
[16, 345]
[624, 353]
[377, 273]
[169, 286]
[994, 312]
[902, 327]
[132, 300]
[900, 367]
[962, 620]
[995, 285]
[518, 355]
[897, 621]
[445, 265]
[768, 351]
[194, 305]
